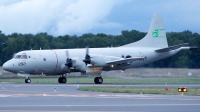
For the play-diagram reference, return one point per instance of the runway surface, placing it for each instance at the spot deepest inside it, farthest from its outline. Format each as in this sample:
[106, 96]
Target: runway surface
[66, 97]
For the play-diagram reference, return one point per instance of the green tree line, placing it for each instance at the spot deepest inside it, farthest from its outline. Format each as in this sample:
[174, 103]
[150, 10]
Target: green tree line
[13, 43]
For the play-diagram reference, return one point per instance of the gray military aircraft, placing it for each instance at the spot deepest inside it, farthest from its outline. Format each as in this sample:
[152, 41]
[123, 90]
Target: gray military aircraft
[93, 61]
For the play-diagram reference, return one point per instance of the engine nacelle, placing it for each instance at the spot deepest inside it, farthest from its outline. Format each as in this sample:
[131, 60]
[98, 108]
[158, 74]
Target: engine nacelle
[97, 62]
[78, 64]
[92, 71]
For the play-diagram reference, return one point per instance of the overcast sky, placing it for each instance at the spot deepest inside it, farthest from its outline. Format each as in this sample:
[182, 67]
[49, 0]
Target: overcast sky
[61, 17]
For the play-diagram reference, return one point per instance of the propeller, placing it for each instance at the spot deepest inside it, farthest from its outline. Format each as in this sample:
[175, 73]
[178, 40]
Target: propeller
[68, 61]
[87, 59]
[122, 56]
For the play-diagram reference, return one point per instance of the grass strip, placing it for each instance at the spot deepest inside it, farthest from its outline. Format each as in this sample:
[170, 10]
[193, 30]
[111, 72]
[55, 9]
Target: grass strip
[109, 80]
[144, 90]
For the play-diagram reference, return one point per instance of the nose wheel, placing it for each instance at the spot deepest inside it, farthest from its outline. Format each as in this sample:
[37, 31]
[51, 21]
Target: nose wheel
[27, 80]
[62, 80]
[98, 80]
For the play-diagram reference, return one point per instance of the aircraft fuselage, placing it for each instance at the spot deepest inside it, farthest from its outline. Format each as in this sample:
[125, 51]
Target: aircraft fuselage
[50, 61]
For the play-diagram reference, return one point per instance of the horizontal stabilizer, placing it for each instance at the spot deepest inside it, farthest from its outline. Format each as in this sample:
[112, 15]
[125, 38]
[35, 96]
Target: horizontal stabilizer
[172, 47]
[195, 48]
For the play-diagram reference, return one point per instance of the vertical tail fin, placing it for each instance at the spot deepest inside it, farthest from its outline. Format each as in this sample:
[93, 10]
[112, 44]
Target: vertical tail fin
[156, 36]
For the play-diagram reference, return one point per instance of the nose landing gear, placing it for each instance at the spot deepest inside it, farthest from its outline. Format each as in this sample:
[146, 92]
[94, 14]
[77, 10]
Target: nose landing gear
[27, 80]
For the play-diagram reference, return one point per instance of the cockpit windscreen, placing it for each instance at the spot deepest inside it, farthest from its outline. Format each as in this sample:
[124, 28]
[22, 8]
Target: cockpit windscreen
[20, 57]
[24, 57]
[17, 56]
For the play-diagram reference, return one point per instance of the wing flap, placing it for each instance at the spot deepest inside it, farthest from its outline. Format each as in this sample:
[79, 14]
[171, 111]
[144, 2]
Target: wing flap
[126, 61]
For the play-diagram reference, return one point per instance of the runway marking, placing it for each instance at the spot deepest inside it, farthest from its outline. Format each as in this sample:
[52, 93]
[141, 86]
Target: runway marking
[53, 111]
[69, 95]
[134, 97]
[78, 95]
[107, 105]
[27, 91]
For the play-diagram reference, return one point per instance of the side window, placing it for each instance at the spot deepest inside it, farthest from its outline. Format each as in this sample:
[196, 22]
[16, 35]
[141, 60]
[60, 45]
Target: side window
[24, 57]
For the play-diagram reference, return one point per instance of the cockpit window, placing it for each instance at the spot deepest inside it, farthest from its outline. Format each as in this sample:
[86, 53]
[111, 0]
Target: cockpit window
[17, 56]
[24, 57]
[14, 55]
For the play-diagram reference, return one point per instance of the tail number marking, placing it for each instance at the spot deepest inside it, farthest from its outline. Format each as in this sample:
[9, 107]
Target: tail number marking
[22, 64]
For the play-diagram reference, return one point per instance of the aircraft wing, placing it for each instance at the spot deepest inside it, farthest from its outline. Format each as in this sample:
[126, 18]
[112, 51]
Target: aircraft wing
[172, 47]
[126, 61]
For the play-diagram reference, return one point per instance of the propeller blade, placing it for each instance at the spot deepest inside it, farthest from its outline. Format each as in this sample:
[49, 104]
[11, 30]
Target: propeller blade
[122, 56]
[68, 61]
[67, 54]
[87, 59]
[87, 50]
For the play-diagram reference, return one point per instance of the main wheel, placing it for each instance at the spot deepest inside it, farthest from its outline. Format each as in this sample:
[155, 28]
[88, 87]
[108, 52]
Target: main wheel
[59, 79]
[98, 80]
[62, 80]
[28, 80]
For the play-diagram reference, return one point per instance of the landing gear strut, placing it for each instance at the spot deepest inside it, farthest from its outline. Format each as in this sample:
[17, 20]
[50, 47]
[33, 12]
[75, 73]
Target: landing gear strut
[62, 79]
[98, 80]
[27, 80]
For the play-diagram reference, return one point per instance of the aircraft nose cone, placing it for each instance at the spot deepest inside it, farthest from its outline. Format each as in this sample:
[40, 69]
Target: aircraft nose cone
[6, 66]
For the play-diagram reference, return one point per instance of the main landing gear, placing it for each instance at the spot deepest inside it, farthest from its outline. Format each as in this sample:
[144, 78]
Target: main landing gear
[98, 80]
[27, 80]
[62, 79]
